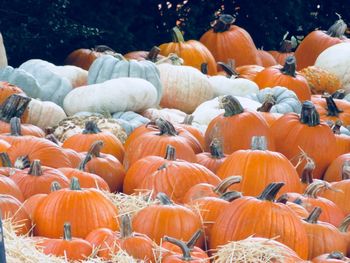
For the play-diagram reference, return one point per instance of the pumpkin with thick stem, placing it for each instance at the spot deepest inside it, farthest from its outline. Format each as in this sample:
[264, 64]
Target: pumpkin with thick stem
[227, 41]
[273, 220]
[16, 105]
[298, 136]
[285, 76]
[167, 218]
[265, 110]
[317, 41]
[259, 167]
[296, 206]
[151, 55]
[236, 127]
[15, 125]
[284, 51]
[70, 247]
[339, 169]
[7, 168]
[37, 179]
[82, 142]
[214, 158]
[193, 52]
[187, 124]
[322, 237]
[74, 204]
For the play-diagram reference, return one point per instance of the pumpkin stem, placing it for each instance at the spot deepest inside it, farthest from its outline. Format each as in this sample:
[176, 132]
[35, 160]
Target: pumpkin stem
[215, 149]
[188, 119]
[103, 49]
[204, 68]
[336, 255]
[83, 163]
[231, 106]
[283, 199]
[344, 226]
[164, 199]
[91, 128]
[192, 242]
[307, 174]
[269, 102]
[231, 195]
[286, 46]
[309, 114]
[177, 35]
[95, 149]
[222, 187]
[52, 138]
[15, 127]
[74, 184]
[153, 54]
[55, 186]
[170, 153]
[231, 73]
[336, 127]
[346, 170]
[164, 126]
[270, 192]
[5, 160]
[67, 232]
[35, 168]
[332, 108]
[339, 94]
[13, 106]
[186, 252]
[289, 67]
[314, 215]
[313, 189]
[298, 201]
[126, 227]
[22, 162]
[337, 29]
[223, 23]
[259, 143]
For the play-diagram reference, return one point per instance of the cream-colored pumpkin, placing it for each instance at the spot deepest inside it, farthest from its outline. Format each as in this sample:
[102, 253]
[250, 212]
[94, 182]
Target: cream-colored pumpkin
[76, 75]
[232, 86]
[172, 115]
[115, 95]
[210, 109]
[3, 57]
[45, 113]
[336, 59]
[184, 87]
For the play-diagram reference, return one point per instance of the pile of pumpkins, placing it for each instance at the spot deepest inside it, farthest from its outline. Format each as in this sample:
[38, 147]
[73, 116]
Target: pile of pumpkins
[231, 140]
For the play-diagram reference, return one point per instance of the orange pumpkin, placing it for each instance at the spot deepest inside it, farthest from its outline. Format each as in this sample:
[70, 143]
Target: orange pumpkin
[267, 60]
[249, 71]
[339, 169]
[9, 187]
[152, 55]
[333, 257]
[284, 51]
[214, 158]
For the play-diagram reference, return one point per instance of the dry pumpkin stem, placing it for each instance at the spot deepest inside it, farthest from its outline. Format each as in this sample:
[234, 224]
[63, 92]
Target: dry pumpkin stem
[15, 127]
[83, 163]
[103, 48]
[35, 168]
[231, 106]
[5, 160]
[52, 138]
[192, 242]
[283, 199]
[222, 187]
[95, 149]
[91, 128]
[74, 184]
[336, 127]
[55, 186]
[336, 255]
[186, 252]
[345, 173]
[230, 72]
[314, 215]
[313, 189]
[332, 108]
[269, 102]
[289, 67]
[22, 162]
[177, 35]
[153, 54]
[164, 127]
[188, 119]
[231, 195]
[339, 94]
[259, 143]
[164, 199]
[215, 149]
[309, 114]
[14, 106]
[337, 29]
[344, 226]
[270, 192]
[307, 173]
[67, 232]
[286, 46]
[223, 23]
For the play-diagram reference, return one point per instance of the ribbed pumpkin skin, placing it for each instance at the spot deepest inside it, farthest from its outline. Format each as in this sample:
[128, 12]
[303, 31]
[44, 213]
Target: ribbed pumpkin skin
[212, 163]
[235, 43]
[250, 216]
[249, 71]
[280, 57]
[340, 196]
[258, 169]
[343, 105]
[77, 207]
[290, 134]
[267, 60]
[9, 187]
[82, 57]
[334, 170]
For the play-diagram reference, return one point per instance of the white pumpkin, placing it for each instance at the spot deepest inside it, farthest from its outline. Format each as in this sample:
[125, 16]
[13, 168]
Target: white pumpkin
[115, 95]
[3, 57]
[232, 86]
[336, 59]
[210, 109]
[184, 87]
[76, 75]
[172, 115]
[44, 113]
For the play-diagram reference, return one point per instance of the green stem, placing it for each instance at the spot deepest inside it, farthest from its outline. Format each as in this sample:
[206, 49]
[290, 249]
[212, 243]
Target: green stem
[177, 35]
[164, 199]
[186, 252]
[35, 168]
[309, 114]
[5, 159]
[270, 192]
[67, 232]
[289, 67]
[223, 23]
[314, 215]
[91, 128]
[55, 186]
[74, 184]
[231, 106]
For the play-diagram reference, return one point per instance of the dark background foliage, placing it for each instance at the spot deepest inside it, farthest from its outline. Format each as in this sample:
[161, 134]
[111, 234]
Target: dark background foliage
[50, 30]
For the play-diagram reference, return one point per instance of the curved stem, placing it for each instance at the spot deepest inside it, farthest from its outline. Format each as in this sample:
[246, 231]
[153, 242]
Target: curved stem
[177, 35]
[35, 168]
[165, 127]
[309, 114]
[228, 70]
[313, 189]
[95, 149]
[337, 29]
[231, 106]
[332, 108]
[170, 153]
[269, 102]
[259, 143]
[74, 184]
[153, 54]
[83, 163]
[223, 23]
[307, 174]
[289, 67]
[5, 160]
[67, 232]
[270, 192]
[15, 127]
[192, 242]
[314, 215]
[346, 170]
[186, 252]
[164, 199]
[231, 196]
[222, 187]
[215, 148]
[91, 128]
[13, 106]
[344, 226]
[55, 186]
[126, 227]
